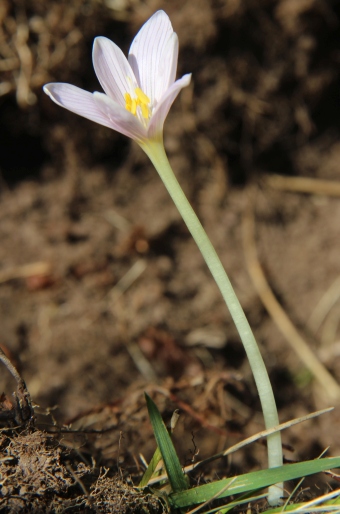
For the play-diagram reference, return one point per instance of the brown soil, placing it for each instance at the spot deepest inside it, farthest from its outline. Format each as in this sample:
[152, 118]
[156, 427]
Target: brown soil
[103, 294]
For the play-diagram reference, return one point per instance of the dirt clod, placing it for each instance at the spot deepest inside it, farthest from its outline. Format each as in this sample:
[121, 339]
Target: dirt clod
[34, 474]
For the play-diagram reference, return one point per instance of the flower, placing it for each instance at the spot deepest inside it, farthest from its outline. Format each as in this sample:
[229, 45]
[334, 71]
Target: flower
[139, 91]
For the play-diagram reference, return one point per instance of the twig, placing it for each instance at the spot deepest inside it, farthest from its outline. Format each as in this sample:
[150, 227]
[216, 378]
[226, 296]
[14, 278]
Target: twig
[277, 313]
[325, 304]
[82, 487]
[141, 362]
[22, 412]
[127, 280]
[25, 271]
[303, 185]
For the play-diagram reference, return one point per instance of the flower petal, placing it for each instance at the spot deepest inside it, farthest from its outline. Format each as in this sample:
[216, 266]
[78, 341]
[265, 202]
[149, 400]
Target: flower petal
[146, 55]
[167, 69]
[121, 120]
[113, 70]
[77, 100]
[162, 109]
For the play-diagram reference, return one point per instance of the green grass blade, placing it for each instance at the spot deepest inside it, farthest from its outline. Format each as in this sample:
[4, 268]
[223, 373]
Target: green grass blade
[172, 465]
[149, 472]
[251, 481]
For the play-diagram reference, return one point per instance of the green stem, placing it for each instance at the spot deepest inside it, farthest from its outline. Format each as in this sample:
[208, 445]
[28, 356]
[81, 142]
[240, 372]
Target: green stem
[156, 153]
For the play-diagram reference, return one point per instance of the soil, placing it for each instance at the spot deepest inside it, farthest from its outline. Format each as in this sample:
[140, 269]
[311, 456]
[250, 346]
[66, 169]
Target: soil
[103, 293]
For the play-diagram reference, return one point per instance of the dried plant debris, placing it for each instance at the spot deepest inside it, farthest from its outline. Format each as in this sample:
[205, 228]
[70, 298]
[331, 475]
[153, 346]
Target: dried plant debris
[39, 475]
[38, 37]
[115, 496]
[19, 411]
[34, 472]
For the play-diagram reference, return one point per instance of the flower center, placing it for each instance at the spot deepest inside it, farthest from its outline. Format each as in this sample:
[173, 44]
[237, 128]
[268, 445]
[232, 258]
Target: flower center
[141, 100]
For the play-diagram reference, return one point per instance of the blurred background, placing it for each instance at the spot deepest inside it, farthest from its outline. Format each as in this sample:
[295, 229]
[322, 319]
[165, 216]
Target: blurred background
[103, 294]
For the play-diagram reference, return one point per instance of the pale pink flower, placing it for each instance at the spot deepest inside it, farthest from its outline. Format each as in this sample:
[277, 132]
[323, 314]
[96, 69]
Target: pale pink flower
[139, 91]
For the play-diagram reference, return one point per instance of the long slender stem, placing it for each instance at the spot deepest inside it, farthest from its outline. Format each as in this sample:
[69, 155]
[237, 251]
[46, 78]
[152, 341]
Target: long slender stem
[155, 151]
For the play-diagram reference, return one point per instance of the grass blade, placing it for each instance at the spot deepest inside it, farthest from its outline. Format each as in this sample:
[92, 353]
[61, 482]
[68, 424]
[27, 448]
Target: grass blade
[251, 481]
[172, 465]
[149, 473]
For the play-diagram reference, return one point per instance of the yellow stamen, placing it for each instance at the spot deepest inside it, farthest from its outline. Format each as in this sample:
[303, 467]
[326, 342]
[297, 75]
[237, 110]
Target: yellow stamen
[134, 104]
[141, 101]
[145, 111]
[128, 101]
[142, 96]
